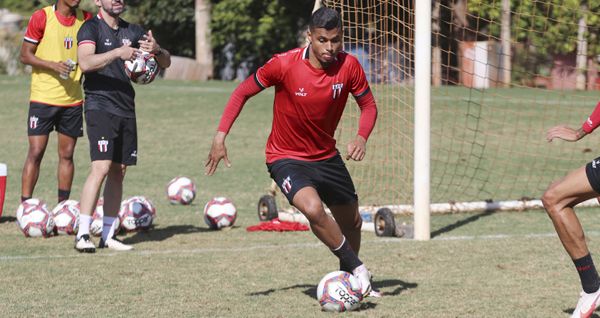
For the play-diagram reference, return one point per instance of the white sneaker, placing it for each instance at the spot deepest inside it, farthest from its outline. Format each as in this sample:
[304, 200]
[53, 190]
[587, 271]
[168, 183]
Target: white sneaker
[114, 244]
[84, 244]
[586, 305]
[363, 276]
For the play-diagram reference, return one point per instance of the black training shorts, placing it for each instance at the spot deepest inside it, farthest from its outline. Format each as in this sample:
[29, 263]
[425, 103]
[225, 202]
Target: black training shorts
[592, 170]
[111, 137]
[43, 119]
[329, 177]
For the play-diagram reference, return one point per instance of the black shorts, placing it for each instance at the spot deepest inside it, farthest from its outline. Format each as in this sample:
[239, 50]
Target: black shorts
[329, 177]
[111, 137]
[592, 170]
[45, 118]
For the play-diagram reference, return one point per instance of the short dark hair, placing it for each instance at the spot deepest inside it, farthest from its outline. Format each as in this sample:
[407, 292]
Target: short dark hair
[325, 18]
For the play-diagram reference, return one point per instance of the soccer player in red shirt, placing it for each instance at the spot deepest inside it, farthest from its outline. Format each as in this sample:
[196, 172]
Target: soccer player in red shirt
[312, 85]
[559, 200]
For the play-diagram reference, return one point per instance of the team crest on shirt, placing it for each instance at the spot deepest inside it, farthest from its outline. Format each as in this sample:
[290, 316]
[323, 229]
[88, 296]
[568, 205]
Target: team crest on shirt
[33, 122]
[102, 145]
[126, 42]
[286, 186]
[68, 42]
[337, 89]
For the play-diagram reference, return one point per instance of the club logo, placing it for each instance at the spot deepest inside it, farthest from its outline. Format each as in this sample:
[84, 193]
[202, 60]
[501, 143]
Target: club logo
[337, 89]
[103, 145]
[287, 185]
[68, 42]
[126, 42]
[33, 122]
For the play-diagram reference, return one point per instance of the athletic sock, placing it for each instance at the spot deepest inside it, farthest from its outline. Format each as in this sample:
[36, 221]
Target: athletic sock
[23, 199]
[107, 226]
[348, 259]
[63, 195]
[84, 225]
[587, 273]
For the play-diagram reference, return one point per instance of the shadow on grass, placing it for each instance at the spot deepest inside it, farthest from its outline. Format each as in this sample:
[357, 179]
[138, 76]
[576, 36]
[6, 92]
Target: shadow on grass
[161, 234]
[383, 285]
[460, 223]
[5, 219]
[571, 310]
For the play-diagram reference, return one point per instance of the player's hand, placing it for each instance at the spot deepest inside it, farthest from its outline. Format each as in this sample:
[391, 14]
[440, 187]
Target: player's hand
[61, 67]
[148, 43]
[126, 52]
[217, 152]
[564, 132]
[357, 149]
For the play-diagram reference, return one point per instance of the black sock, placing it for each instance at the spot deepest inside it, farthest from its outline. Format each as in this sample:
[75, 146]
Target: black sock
[587, 273]
[23, 199]
[348, 259]
[63, 195]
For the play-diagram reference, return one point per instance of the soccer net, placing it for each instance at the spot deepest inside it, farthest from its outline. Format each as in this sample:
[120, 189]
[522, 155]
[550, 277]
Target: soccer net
[502, 73]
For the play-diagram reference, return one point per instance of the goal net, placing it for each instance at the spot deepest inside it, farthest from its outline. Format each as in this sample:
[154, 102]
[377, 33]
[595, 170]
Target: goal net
[502, 74]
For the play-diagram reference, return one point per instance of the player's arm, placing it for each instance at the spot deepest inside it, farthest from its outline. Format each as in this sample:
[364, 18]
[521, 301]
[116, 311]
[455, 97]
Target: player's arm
[33, 35]
[149, 44]
[89, 61]
[28, 57]
[570, 134]
[240, 95]
[368, 117]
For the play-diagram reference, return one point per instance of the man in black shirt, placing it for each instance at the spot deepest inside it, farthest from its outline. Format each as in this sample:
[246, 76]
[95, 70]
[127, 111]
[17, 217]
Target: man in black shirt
[105, 42]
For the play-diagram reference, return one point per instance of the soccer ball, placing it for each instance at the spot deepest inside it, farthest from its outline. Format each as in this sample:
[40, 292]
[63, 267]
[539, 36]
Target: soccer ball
[339, 291]
[181, 190]
[34, 219]
[136, 213]
[142, 70]
[97, 219]
[219, 213]
[66, 217]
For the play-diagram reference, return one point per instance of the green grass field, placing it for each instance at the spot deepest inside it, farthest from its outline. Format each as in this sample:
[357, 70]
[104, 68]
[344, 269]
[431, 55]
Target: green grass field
[476, 265]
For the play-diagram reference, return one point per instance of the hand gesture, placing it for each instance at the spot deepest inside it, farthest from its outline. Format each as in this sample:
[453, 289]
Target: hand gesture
[62, 68]
[126, 52]
[217, 152]
[148, 43]
[357, 149]
[565, 133]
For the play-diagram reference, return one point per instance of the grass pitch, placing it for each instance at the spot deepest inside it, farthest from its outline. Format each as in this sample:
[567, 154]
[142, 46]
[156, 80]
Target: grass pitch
[476, 265]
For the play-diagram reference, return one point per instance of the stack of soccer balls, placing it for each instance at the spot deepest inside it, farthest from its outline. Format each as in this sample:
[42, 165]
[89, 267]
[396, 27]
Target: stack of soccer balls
[35, 220]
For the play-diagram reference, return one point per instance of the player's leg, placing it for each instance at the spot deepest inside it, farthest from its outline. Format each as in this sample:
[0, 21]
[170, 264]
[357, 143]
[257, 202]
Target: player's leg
[125, 154]
[66, 167]
[31, 167]
[69, 128]
[349, 220]
[40, 123]
[559, 200]
[87, 203]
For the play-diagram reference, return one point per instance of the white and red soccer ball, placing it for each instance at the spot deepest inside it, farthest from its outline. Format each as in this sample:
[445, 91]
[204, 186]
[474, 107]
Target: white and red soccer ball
[181, 190]
[219, 213]
[66, 217]
[142, 70]
[34, 219]
[339, 291]
[136, 213]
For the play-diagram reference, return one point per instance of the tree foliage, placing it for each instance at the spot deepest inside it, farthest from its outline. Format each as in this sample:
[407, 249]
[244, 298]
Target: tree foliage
[256, 29]
[548, 26]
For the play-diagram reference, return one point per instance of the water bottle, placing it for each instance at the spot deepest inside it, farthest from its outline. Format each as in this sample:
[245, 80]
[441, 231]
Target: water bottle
[71, 65]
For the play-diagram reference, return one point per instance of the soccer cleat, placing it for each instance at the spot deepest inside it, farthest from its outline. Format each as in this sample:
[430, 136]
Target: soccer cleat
[363, 276]
[84, 244]
[586, 305]
[114, 244]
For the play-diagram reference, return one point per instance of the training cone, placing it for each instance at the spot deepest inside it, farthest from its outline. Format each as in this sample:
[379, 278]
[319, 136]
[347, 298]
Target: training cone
[3, 173]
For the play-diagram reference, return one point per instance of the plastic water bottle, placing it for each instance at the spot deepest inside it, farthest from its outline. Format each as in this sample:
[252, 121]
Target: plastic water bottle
[71, 65]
